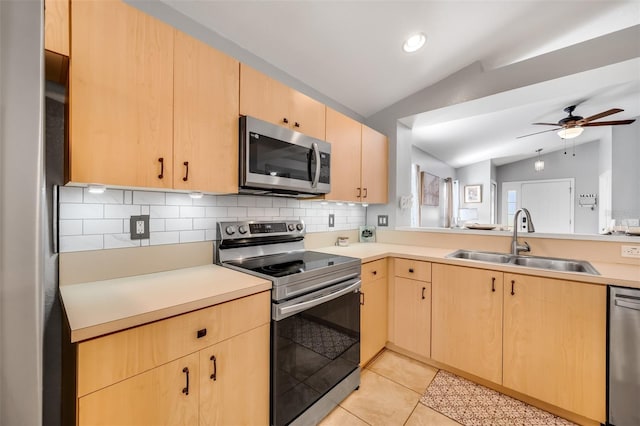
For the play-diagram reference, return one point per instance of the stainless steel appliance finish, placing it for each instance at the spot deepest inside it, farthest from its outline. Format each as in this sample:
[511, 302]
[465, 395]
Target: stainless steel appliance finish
[278, 161]
[315, 327]
[624, 356]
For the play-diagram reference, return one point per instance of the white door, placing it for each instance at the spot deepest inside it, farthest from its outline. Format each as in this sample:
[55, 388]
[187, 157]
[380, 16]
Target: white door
[550, 204]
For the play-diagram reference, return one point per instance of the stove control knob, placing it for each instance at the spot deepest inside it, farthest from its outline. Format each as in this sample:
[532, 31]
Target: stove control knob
[299, 227]
[242, 229]
[230, 230]
[291, 227]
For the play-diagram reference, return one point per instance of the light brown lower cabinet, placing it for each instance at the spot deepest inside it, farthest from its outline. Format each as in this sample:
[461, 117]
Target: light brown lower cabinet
[374, 308]
[467, 320]
[412, 315]
[554, 342]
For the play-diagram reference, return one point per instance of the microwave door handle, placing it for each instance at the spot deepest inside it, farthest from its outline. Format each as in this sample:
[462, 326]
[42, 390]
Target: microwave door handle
[316, 152]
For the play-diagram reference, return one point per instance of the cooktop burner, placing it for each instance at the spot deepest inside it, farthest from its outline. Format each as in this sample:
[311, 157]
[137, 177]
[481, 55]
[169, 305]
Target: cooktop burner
[285, 264]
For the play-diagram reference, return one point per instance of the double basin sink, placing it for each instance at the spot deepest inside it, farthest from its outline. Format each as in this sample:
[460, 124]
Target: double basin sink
[549, 263]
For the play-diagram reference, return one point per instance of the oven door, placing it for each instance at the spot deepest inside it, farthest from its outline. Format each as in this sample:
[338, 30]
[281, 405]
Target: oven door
[315, 346]
[278, 159]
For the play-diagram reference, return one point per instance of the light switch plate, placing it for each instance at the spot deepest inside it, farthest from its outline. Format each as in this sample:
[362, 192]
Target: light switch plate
[139, 227]
[332, 220]
[383, 220]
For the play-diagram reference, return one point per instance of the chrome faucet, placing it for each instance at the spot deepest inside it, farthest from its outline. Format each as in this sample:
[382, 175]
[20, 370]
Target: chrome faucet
[515, 247]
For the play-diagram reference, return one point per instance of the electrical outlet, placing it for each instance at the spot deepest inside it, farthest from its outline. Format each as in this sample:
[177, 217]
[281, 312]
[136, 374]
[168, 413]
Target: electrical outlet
[383, 220]
[630, 251]
[332, 220]
[139, 227]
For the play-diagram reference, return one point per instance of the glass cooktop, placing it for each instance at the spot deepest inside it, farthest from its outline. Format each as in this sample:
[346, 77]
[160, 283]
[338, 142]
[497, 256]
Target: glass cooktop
[285, 264]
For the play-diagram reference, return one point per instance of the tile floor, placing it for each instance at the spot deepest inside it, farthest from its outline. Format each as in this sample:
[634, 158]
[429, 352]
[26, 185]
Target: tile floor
[389, 394]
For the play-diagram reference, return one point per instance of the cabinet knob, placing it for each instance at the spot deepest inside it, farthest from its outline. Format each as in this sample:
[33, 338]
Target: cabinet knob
[161, 161]
[186, 173]
[201, 333]
[214, 376]
[513, 283]
[411, 270]
[185, 390]
[361, 298]
[423, 289]
[493, 283]
[285, 120]
[296, 124]
[365, 193]
[359, 192]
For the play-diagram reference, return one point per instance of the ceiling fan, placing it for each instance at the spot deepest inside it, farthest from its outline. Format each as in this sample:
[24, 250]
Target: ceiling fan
[572, 125]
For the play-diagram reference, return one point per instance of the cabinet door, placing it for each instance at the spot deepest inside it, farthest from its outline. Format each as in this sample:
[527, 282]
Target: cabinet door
[374, 166]
[56, 26]
[374, 310]
[308, 115]
[155, 397]
[264, 98]
[467, 320]
[412, 315]
[121, 96]
[344, 134]
[234, 380]
[206, 100]
[555, 342]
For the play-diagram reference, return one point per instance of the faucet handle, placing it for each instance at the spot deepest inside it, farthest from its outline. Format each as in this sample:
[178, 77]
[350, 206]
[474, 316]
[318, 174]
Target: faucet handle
[526, 247]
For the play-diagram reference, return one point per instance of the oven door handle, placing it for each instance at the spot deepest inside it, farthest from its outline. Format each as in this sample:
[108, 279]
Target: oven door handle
[287, 311]
[316, 152]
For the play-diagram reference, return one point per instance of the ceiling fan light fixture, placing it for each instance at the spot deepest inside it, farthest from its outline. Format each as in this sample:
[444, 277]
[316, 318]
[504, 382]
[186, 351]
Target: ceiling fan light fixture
[571, 132]
[414, 42]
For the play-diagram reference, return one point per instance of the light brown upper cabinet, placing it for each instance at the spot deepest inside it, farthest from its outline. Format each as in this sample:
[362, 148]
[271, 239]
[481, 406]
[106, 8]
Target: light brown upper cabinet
[359, 159]
[375, 173]
[205, 120]
[56, 40]
[267, 99]
[121, 96]
[467, 320]
[555, 342]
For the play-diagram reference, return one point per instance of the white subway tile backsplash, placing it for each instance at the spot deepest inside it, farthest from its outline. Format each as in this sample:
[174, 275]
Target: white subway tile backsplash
[69, 194]
[119, 241]
[93, 222]
[189, 211]
[121, 211]
[103, 226]
[164, 211]
[157, 238]
[191, 236]
[80, 243]
[70, 227]
[178, 224]
[110, 196]
[149, 197]
[177, 199]
[81, 211]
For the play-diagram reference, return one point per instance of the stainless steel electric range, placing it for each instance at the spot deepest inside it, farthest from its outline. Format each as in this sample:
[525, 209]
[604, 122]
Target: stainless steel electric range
[315, 316]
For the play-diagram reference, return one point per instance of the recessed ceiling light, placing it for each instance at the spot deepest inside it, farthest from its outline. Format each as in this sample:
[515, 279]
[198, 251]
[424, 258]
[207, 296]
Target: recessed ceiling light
[414, 42]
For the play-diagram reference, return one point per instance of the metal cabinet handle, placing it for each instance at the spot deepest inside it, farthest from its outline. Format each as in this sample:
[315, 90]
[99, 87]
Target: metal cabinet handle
[285, 120]
[296, 124]
[411, 270]
[214, 376]
[186, 174]
[423, 289]
[365, 193]
[362, 298]
[186, 389]
[512, 287]
[493, 283]
[201, 333]
[359, 192]
[161, 160]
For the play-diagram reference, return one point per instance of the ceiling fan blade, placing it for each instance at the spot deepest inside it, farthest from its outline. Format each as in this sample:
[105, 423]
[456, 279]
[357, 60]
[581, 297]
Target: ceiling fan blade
[597, 116]
[547, 124]
[608, 123]
[537, 133]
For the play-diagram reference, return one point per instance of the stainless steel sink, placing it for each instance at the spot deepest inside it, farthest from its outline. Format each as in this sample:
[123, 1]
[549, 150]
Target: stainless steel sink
[482, 256]
[550, 263]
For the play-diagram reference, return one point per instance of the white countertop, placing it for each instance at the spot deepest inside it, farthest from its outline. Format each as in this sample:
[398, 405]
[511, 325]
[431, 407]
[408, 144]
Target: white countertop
[101, 307]
[610, 273]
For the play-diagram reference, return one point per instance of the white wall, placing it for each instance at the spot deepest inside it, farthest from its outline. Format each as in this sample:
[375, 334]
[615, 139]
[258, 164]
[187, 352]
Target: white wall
[473, 82]
[432, 216]
[477, 174]
[21, 193]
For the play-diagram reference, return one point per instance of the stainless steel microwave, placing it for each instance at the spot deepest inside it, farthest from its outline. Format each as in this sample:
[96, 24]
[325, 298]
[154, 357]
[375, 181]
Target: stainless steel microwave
[278, 161]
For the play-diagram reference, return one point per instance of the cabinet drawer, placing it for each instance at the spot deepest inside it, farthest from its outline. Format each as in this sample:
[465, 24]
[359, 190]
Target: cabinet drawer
[374, 270]
[106, 360]
[412, 269]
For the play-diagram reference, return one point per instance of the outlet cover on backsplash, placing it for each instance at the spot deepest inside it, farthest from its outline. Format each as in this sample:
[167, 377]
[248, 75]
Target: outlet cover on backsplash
[102, 221]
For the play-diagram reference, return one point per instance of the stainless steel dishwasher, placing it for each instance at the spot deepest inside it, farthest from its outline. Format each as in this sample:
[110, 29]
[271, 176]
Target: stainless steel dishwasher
[624, 356]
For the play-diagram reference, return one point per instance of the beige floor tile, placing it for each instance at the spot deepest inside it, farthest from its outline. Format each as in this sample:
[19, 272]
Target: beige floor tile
[425, 416]
[341, 417]
[380, 401]
[410, 373]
